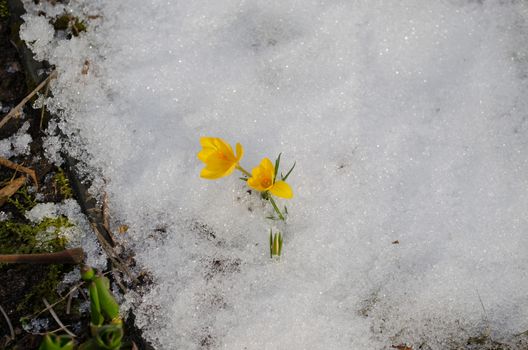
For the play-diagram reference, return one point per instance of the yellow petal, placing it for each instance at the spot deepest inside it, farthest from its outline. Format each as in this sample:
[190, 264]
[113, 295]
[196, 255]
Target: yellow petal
[254, 183]
[205, 153]
[239, 151]
[217, 171]
[224, 148]
[207, 142]
[218, 164]
[210, 175]
[267, 166]
[281, 189]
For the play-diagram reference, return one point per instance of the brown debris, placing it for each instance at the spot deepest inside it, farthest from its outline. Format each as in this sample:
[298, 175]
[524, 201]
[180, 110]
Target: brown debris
[86, 67]
[16, 111]
[12, 165]
[10, 189]
[402, 347]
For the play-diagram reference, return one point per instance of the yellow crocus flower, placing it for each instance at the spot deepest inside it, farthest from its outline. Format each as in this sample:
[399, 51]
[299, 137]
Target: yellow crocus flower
[263, 179]
[218, 157]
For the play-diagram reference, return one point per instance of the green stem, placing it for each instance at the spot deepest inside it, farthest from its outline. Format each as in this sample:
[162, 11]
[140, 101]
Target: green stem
[276, 208]
[247, 173]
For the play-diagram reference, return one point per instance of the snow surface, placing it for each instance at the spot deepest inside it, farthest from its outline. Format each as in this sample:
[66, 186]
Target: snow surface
[408, 122]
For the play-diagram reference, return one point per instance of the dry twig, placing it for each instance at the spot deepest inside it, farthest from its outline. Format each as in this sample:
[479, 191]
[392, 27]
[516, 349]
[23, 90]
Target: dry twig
[17, 167]
[11, 331]
[10, 189]
[116, 260]
[68, 256]
[56, 318]
[15, 112]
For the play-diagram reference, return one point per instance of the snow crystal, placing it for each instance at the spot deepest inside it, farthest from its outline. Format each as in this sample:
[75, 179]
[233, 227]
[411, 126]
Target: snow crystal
[408, 123]
[38, 36]
[17, 144]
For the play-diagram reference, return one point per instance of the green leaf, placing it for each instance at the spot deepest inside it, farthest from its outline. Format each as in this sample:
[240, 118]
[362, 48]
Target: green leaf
[271, 244]
[109, 337]
[276, 208]
[243, 178]
[277, 163]
[288, 173]
[96, 316]
[57, 342]
[280, 243]
[108, 305]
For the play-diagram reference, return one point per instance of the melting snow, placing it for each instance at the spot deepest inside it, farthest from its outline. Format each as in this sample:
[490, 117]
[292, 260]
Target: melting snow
[408, 122]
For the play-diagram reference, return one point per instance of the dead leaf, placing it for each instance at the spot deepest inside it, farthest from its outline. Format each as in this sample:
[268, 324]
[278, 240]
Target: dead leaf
[85, 67]
[402, 347]
[11, 165]
[10, 189]
[123, 229]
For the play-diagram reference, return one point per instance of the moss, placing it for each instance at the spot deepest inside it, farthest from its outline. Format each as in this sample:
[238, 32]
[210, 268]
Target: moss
[63, 184]
[69, 22]
[16, 237]
[4, 10]
[46, 288]
[22, 200]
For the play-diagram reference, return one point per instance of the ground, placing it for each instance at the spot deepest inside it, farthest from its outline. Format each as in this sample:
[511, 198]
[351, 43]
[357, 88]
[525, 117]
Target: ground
[24, 286]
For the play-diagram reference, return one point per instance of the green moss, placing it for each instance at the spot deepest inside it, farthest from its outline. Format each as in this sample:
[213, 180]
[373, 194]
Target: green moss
[63, 184]
[4, 10]
[69, 22]
[22, 200]
[46, 288]
[16, 237]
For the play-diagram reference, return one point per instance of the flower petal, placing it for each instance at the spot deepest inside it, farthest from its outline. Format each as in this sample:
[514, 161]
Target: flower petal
[239, 151]
[281, 189]
[225, 149]
[267, 166]
[218, 164]
[205, 153]
[207, 142]
[210, 175]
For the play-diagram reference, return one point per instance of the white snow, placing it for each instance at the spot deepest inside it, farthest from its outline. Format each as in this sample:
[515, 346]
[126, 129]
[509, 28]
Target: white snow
[17, 144]
[79, 234]
[407, 120]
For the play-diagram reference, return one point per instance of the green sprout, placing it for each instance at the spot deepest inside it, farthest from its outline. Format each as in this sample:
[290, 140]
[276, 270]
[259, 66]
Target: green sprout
[275, 244]
[57, 342]
[103, 306]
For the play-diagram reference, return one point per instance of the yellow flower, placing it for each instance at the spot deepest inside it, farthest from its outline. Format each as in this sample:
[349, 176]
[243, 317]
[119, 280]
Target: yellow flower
[218, 157]
[263, 179]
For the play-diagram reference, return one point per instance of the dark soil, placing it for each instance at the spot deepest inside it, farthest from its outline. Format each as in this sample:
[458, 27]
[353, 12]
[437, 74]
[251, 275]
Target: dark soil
[22, 286]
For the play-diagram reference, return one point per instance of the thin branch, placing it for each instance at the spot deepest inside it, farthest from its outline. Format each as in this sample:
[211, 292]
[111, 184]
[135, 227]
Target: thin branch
[68, 304]
[56, 318]
[16, 110]
[43, 108]
[78, 285]
[17, 167]
[68, 256]
[11, 331]
[109, 250]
